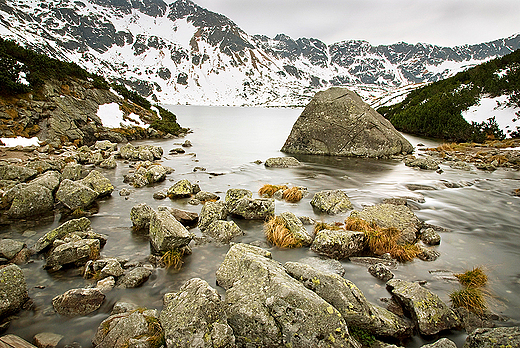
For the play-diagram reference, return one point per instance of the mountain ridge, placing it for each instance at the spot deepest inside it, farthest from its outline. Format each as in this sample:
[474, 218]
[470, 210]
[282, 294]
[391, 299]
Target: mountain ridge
[183, 53]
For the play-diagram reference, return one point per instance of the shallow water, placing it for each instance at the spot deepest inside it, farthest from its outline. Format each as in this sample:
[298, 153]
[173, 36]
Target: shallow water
[482, 216]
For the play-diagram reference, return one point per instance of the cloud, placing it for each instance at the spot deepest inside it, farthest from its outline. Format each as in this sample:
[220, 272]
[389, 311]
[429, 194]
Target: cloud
[441, 22]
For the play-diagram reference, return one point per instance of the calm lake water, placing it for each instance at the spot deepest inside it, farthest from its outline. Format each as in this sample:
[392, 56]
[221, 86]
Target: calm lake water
[482, 216]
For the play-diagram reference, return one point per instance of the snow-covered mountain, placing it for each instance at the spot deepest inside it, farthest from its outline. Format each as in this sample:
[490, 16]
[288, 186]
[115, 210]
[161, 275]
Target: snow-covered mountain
[183, 53]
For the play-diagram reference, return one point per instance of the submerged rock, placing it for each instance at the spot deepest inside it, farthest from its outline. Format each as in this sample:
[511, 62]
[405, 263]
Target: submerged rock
[338, 244]
[427, 310]
[76, 302]
[196, 316]
[331, 202]
[338, 122]
[282, 162]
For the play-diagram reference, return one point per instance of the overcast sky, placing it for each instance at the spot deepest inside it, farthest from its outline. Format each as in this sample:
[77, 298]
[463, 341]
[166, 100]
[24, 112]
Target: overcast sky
[440, 22]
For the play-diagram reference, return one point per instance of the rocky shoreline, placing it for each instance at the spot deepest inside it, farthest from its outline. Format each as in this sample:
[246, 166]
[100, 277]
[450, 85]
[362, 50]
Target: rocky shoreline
[308, 303]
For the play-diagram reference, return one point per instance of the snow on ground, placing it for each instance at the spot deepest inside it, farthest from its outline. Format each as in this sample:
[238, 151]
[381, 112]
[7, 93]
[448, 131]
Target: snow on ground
[111, 116]
[489, 107]
[12, 142]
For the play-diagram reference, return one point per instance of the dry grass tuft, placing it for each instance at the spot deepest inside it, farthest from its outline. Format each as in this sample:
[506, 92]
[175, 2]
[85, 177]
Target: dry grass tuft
[269, 190]
[292, 195]
[277, 234]
[383, 240]
[319, 226]
[475, 278]
[470, 298]
[172, 259]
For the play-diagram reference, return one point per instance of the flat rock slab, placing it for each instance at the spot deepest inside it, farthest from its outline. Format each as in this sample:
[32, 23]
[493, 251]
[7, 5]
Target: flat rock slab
[76, 302]
[13, 341]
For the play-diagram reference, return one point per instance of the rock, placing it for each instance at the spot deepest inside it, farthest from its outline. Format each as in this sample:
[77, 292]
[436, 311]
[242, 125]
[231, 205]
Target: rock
[47, 340]
[74, 195]
[427, 310]
[141, 215]
[106, 284]
[223, 231]
[141, 152]
[147, 173]
[99, 183]
[166, 233]
[76, 302]
[50, 179]
[122, 330]
[16, 173]
[430, 237]
[338, 244]
[233, 196]
[419, 187]
[31, 201]
[76, 253]
[129, 152]
[324, 265]
[182, 189]
[427, 254]
[160, 195]
[268, 307]
[125, 192]
[196, 316]
[13, 290]
[472, 321]
[442, 343]
[108, 163]
[205, 196]
[186, 218]
[427, 163]
[349, 301]
[338, 123]
[331, 202]
[494, 338]
[122, 307]
[105, 145]
[134, 278]
[211, 212]
[385, 259]
[72, 171]
[296, 228]
[187, 143]
[10, 247]
[391, 215]
[282, 162]
[380, 271]
[75, 225]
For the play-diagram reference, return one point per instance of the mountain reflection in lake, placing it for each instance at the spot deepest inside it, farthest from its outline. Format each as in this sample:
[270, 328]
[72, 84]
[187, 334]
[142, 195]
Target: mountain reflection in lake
[481, 214]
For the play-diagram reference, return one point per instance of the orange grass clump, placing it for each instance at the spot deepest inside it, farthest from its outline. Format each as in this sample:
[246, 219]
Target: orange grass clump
[292, 195]
[277, 234]
[269, 190]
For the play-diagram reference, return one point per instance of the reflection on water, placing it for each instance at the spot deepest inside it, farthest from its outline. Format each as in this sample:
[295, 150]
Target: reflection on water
[482, 216]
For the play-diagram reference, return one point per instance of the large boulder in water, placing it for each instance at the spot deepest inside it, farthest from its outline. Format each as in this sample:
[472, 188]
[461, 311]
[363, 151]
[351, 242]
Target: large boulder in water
[338, 123]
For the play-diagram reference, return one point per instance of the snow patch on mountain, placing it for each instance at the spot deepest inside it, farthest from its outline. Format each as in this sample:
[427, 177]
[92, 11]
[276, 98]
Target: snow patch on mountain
[496, 107]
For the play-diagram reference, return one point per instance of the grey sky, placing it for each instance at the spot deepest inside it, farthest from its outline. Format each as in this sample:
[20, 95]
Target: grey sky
[440, 22]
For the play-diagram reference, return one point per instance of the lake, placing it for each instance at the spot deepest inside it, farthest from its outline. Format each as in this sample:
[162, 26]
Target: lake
[481, 214]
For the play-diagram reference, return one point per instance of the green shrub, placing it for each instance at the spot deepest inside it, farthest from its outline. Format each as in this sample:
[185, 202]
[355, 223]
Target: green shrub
[167, 123]
[131, 95]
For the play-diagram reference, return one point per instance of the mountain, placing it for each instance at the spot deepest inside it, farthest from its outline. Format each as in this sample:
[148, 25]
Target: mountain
[183, 53]
[480, 103]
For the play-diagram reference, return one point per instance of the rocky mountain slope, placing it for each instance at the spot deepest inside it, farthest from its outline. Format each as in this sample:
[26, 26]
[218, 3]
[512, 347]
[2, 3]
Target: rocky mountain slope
[183, 53]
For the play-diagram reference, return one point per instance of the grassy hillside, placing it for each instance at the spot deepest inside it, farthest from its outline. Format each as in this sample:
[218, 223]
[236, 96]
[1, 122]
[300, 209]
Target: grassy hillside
[435, 110]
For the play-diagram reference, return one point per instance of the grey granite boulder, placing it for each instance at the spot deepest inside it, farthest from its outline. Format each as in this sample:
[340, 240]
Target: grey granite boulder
[74, 252]
[391, 215]
[195, 316]
[127, 329]
[147, 173]
[331, 202]
[182, 189]
[166, 233]
[428, 311]
[30, 201]
[108, 163]
[338, 122]
[268, 307]
[10, 247]
[99, 183]
[223, 231]
[427, 163]
[105, 145]
[430, 237]
[186, 218]
[50, 179]
[338, 244]
[47, 339]
[75, 195]
[282, 162]
[211, 212]
[76, 302]
[134, 277]
[75, 225]
[240, 202]
[380, 271]
[73, 171]
[16, 173]
[500, 337]
[13, 290]
[346, 297]
[141, 215]
[442, 343]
